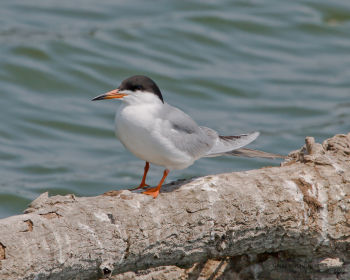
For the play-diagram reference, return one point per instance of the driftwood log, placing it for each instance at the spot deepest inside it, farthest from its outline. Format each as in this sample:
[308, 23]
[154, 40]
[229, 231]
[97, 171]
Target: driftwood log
[286, 222]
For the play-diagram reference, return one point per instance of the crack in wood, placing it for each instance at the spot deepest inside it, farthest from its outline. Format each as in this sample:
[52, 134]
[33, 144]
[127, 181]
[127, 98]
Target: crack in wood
[127, 250]
[51, 215]
[190, 211]
[312, 202]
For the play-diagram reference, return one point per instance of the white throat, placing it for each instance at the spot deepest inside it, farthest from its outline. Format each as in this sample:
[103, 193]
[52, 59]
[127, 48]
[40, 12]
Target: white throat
[141, 98]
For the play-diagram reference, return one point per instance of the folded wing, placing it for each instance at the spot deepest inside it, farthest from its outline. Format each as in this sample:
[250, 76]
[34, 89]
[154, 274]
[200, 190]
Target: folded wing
[225, 144]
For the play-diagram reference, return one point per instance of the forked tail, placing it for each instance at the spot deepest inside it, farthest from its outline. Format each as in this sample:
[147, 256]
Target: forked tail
[244, 152]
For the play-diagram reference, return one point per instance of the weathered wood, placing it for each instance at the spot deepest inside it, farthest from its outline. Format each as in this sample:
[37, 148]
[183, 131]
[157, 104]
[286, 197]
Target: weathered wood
[283, 222]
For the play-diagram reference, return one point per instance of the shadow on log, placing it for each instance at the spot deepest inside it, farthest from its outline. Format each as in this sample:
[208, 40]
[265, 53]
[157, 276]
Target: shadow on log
[287, 222]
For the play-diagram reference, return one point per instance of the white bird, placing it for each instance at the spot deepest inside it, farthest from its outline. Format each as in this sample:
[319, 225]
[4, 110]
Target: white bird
[164, 135]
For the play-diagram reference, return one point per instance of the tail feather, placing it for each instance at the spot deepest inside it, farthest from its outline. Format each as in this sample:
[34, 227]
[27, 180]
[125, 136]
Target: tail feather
[244, 152]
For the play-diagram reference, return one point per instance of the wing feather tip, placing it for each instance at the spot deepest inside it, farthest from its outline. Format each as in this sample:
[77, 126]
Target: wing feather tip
[257, 133]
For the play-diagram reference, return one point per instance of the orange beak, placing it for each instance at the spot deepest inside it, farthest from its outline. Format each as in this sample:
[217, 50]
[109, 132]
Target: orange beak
[110, 95]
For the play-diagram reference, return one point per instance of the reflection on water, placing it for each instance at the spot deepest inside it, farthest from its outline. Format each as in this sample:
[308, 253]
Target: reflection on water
[281, 68]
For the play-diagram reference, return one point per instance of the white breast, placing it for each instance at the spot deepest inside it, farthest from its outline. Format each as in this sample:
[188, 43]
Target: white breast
[138, 128]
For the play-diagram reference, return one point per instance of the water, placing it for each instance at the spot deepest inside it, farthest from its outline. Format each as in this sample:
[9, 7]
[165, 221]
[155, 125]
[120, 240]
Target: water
[282, 68]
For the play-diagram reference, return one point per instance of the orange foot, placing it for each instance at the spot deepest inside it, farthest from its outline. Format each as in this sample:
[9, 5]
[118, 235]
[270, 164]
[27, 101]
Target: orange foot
[152, 191]
[155, 191]
[141, 186]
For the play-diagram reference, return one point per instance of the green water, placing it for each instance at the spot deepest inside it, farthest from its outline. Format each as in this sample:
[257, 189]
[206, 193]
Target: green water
[280, 67]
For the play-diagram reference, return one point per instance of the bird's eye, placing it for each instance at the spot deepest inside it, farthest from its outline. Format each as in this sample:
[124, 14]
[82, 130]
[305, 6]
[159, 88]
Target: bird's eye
[138, 87]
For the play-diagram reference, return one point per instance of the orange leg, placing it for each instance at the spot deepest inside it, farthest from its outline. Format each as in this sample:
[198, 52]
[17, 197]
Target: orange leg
[155, 191]
[143, 181]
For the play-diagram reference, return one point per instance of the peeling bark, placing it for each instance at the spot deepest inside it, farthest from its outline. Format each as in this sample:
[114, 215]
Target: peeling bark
[30, 225]
[287, 222]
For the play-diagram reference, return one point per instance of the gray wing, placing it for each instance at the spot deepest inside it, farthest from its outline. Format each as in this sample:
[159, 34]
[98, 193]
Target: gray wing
[199, 141]
[185, 134]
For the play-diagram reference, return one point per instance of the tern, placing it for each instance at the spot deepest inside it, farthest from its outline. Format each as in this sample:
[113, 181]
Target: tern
[161, 134]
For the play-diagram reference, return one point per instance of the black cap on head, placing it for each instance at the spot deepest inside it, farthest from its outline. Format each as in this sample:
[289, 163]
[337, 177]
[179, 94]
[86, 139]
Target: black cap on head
[142, 83]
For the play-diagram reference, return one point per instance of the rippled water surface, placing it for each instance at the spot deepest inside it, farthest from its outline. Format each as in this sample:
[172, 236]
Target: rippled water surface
[280, 67]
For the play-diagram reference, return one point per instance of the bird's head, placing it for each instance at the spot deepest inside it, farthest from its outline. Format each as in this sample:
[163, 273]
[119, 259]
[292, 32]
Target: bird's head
[135, 89]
